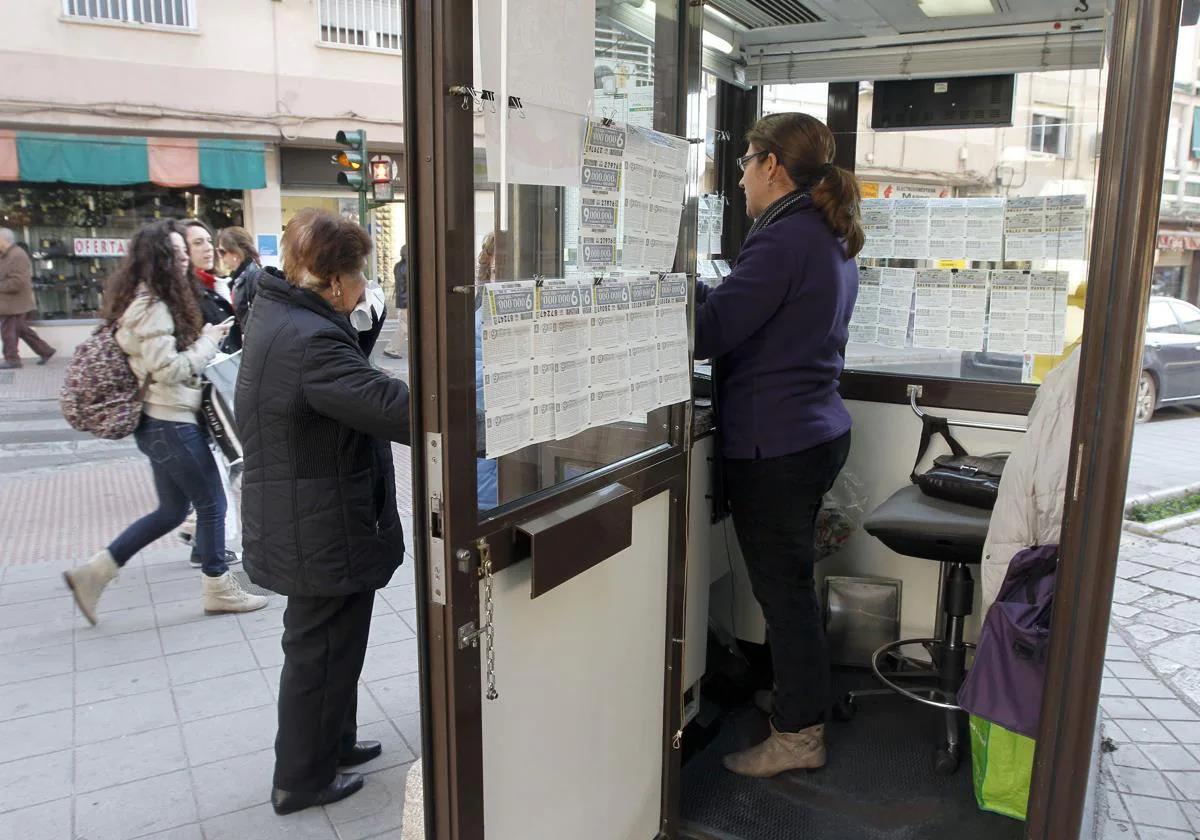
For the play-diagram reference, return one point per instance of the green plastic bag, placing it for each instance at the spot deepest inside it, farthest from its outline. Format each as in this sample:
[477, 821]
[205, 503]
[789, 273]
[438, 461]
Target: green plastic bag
[1002, 767]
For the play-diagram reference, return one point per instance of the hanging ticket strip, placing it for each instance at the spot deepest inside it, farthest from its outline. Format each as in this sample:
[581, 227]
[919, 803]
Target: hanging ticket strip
[968, 309]
[961, 309]
[563, 356]
[633, 184]
[711, 224]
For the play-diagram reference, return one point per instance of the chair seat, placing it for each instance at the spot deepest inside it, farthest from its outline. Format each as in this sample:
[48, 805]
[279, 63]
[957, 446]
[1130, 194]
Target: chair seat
[917, 525]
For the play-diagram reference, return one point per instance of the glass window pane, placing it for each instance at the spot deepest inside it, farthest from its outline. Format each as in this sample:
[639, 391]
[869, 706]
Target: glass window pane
[977, 239]
[569, 379]
[1160, 318]
[1189, 317]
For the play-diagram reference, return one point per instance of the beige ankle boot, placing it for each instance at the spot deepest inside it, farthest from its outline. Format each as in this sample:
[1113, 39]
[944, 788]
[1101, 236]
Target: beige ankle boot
[780, 752]
[88, 581]
[224, 594]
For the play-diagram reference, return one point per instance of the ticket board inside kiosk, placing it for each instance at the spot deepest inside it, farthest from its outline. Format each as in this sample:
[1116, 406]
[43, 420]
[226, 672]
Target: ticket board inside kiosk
[593, 644]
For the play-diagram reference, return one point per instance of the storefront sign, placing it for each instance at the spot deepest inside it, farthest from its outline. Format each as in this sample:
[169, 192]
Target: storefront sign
[885, 189]
[1178, 240]
[88, 247]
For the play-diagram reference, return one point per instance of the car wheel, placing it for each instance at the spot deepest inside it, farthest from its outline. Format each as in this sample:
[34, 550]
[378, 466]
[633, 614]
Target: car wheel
[1147, 396]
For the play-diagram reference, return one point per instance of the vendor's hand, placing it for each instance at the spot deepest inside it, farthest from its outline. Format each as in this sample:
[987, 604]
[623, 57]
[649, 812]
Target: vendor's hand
[216, 332]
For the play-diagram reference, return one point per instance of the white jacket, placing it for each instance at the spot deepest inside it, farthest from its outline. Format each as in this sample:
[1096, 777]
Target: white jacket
[1029, 506]
[146, 333]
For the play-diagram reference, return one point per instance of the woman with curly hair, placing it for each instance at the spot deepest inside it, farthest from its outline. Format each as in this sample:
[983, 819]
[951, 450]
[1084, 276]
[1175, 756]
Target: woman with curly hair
[160, 328]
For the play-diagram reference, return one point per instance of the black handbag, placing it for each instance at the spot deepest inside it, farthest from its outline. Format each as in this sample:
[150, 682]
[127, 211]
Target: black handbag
[958, 477]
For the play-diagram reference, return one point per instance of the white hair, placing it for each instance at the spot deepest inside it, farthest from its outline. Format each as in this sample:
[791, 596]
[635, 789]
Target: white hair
[7, 236]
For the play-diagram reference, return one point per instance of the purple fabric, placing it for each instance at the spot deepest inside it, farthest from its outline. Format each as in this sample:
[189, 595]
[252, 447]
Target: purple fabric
[1005, 683]
[776, 330]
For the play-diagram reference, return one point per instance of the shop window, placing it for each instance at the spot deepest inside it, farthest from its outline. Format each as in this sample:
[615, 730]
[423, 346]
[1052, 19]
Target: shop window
[77, 235]
[1192, 189]
[372, 24]
[1048, 135]
[180, 13]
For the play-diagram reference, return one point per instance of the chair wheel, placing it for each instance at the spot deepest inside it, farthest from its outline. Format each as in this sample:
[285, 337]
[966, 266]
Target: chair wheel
[844, 708]
[945, 762]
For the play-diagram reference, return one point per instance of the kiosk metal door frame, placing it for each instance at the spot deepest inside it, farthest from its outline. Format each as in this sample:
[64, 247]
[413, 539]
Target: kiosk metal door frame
[447, 527]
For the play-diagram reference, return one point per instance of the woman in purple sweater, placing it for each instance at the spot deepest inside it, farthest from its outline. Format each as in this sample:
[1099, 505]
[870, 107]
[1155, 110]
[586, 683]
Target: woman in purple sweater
[776, 330]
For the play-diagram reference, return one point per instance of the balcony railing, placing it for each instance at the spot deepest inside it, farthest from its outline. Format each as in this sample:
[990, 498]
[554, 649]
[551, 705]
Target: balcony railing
[370, 24]
[169, 13]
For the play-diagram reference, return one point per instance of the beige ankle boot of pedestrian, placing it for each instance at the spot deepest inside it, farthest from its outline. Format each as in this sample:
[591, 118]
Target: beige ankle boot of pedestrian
[780, 752]
[224, 594]
[87, 582]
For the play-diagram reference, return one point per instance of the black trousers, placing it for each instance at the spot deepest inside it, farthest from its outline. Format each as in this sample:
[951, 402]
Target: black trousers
[324, 645]
[775, 502]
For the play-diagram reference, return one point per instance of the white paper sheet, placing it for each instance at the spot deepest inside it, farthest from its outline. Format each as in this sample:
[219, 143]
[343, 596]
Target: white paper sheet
[507, 430]
[571, 415]
[609, 405]
[674, 387]
[507, 333]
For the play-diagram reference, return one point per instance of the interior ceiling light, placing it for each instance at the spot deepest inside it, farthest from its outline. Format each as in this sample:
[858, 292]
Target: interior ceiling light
[955, 8]
[717, 43]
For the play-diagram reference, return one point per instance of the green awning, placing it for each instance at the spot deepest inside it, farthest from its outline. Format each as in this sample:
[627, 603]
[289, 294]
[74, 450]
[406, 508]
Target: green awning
[232, 165]
[82, 159]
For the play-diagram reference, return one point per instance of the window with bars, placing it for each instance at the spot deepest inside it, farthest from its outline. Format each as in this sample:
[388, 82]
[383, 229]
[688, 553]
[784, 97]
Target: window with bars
[179, 13]
[372, 24]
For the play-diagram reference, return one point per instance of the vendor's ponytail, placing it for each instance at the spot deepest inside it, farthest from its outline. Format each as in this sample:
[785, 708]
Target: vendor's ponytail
[836, 196]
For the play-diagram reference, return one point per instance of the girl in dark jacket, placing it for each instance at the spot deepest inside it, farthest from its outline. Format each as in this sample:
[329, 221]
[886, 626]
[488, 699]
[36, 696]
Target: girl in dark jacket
[776, 330]
[235, 249]
[318, 495]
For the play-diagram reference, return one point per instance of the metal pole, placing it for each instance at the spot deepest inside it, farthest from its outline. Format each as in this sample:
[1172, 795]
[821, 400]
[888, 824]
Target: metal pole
[364, 184]
[1141, 63]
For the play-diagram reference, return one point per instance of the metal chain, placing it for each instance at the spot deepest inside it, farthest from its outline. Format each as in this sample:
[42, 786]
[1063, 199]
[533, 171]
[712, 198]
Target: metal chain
[485, 571]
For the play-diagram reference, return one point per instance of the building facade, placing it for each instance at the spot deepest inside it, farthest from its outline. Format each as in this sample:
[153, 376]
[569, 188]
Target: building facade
[117, 112]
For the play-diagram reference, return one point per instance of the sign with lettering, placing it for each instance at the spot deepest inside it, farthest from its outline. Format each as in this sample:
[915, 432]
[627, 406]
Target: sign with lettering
[89, 247]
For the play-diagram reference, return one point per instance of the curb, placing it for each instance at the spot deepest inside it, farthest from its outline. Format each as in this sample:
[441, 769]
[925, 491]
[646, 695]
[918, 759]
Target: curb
[1162, 526]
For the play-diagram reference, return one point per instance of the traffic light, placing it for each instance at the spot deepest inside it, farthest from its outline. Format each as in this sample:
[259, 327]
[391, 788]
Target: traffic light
[352, 159]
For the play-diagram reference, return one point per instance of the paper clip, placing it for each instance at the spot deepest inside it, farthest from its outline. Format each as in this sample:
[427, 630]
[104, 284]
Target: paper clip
[515, 102]
[606, 122]
[470, 97]
[488, 96]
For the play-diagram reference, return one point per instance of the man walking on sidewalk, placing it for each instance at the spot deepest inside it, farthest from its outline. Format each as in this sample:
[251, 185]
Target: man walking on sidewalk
[16, 302]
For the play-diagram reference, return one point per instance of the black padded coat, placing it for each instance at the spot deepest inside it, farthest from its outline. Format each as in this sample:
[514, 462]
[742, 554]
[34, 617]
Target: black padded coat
[319, 493]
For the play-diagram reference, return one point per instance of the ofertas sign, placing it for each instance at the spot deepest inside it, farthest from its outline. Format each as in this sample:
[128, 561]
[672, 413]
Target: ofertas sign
[86, 247]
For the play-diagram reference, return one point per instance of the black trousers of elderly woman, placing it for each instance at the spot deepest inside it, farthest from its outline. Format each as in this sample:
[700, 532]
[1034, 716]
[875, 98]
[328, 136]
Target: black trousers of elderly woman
[324, 645]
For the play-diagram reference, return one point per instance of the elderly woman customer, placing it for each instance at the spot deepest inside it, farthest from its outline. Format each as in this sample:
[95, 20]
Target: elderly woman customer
[318, 497]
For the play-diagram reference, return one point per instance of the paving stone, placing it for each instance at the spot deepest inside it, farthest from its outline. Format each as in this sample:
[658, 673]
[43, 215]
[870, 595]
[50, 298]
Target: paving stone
[390, 660]
[179, 612]
[272, 675]
[184, 832]
[1158, 561]
[1144, 782]
[100, 684]
[234, 784]
[1192, 811]
[228, 736]
[25, 592]
[1148, 811]
[1148, 689]
[1130, 670]
[260, 623]
[1120, 653]
[1125, 610]
[1168, 623]
[1170, 757]
[398, 695]
[123, 598]
[410, 728]
[1114, 807]
[115, 718]
[1146, 832]
[410, 618]
[1170, 710]
[261, 823]
[1145, 634]
[23, 615]
[31, 781]
[137, 808]
[49, 821]
[117, 623]
[1186, 610]
[38, 636]
[1126, 592]
[1161, 602]
[35, 664]
[1170, 581]
[1145, 731]
[1125, 707]
[389, 628]
[129, 758]
[379, 809]
[1129, 570]
[116, 650]
[395, 749]
[206, 664]
[1112, 687]
[1116, 831]
[222, 695]
[1185, 731]
[1190, 568]
[1165, 667]
[1127, 755]
[183, 589]
[1187, 783]
[401, 598]
[49, 694]
[369, 711]
[1176, 550]
[36, 734]
[196, 635]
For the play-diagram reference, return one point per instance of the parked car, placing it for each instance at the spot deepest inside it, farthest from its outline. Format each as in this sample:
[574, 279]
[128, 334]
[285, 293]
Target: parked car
[1170, 359]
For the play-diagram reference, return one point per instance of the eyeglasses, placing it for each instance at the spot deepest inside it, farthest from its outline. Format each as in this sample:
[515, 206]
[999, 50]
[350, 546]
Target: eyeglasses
[745, 159]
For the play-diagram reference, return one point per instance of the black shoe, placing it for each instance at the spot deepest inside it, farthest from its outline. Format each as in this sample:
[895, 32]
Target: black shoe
[231, 559]
[360, 753]
[43, 359]
[343, 785]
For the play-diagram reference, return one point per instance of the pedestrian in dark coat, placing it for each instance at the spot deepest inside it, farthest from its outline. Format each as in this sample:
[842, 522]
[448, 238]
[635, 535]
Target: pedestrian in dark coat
[318, 495]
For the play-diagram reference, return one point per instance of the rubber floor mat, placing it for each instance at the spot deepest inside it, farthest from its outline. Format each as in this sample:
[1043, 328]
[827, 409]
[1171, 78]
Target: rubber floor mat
[878, 784]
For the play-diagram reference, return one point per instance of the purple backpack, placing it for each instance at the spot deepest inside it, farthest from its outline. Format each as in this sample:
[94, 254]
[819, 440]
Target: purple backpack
[1005, 683]
[100, 393]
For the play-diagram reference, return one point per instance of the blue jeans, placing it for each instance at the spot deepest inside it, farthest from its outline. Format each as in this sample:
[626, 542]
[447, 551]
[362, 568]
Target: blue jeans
[185, 475]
